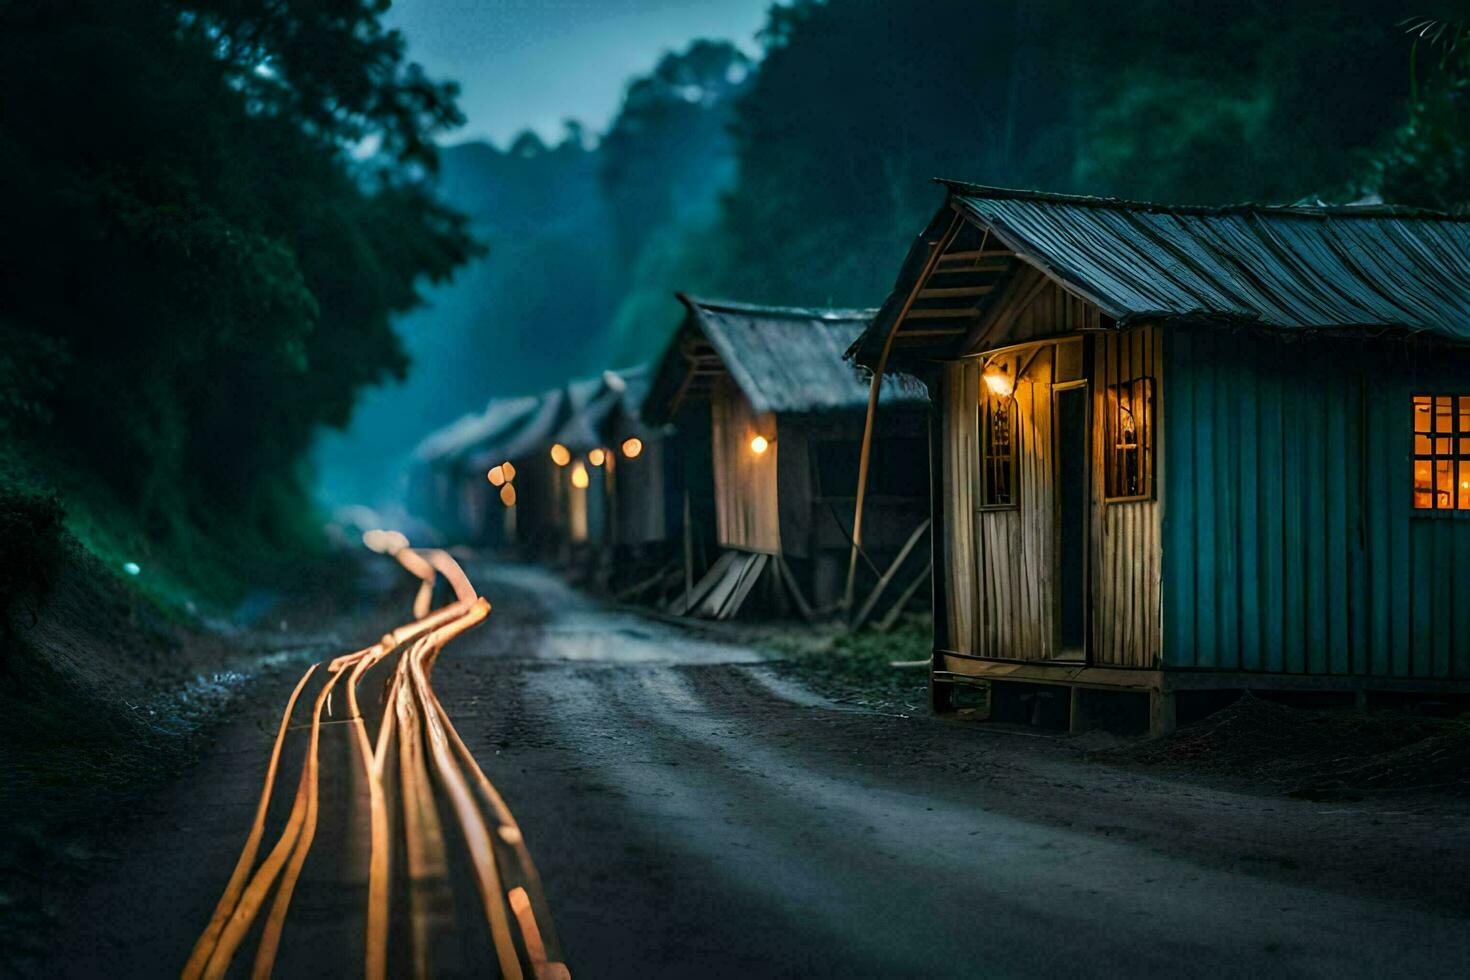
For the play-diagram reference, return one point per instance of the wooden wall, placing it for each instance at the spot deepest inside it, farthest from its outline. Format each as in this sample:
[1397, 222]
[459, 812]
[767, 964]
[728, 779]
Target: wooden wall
[638, 499]
[746, 513]
[1008, 604]
[1015, 547]
[1290, 541]
[1125, 578]
[1052, 311]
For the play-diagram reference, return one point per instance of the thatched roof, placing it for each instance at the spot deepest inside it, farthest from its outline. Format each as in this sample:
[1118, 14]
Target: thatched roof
[783, 359]
[1286, 268]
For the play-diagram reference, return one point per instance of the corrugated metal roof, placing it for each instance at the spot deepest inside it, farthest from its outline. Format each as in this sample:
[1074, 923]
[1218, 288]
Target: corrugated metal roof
[1283, 267]
[790, 359]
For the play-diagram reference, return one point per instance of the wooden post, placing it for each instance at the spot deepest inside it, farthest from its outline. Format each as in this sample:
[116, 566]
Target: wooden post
[1077, 720]
[862, 614]
[1161, 719]
[688, 552]
[873, 389]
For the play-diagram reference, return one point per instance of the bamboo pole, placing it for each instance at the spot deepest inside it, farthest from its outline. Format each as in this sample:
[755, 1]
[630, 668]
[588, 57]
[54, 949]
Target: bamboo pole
[862, 487]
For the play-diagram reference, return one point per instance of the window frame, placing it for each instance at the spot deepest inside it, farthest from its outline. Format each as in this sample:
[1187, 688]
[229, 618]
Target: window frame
[984, 413]
[1145, 446]
[1458, 455]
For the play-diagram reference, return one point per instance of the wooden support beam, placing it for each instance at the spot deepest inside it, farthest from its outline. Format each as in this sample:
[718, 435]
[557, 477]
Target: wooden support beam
[979, 268]
[894, 611]
[936, 332]
[955, 291]
[946, 314]
[903, 553]
[980, 253]
[1023, 288]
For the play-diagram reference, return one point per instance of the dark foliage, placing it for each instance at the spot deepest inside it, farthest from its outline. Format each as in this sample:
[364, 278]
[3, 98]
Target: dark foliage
[859, 102]
[212, 210]
[1426, 162]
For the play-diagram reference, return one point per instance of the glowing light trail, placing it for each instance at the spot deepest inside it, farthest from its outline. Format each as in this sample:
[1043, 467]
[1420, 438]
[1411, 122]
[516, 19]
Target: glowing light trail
[430, 753]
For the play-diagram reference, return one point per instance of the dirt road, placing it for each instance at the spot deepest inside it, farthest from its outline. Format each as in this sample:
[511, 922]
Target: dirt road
[695, 815]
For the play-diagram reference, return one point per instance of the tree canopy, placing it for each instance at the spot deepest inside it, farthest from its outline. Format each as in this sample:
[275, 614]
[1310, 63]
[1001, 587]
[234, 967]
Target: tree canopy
[213, 210]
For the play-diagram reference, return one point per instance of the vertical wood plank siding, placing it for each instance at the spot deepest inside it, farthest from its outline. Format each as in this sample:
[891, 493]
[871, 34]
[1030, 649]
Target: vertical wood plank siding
[746, 511]
[1015, 547]
[1125, 535]
[1289, 540]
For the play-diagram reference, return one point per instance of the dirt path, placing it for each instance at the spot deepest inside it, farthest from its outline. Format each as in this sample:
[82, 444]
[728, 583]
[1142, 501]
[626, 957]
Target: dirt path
[694, 815]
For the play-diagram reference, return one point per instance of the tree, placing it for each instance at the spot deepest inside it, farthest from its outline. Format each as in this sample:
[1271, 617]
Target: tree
[213, 211]
[1426, 162]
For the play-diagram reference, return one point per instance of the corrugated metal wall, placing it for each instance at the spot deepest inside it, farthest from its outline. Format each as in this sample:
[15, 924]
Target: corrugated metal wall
[1125, 570]
[1290, 541]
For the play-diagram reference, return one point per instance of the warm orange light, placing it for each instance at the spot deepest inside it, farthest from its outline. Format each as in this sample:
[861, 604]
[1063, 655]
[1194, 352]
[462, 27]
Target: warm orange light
[632, 447]
[560, 455]
[508, 470]
[579, 477]
[596, 457]
[998, 379]
[508, 495]
[496, 476]
[759, 445]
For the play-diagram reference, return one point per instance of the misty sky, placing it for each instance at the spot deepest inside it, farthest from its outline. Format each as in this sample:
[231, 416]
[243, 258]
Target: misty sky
[535, 63]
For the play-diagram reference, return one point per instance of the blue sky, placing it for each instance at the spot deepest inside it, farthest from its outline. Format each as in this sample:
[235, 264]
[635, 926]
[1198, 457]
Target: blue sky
[534, 63]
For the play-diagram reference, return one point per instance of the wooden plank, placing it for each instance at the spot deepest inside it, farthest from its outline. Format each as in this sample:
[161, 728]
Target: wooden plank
[751, 574]
[724, 586]
[979, 269]
[945, 314]
[952, 257]
[887, 576]
[1019, 291]
[956, 291]
[894, 611]
[711, 578]
[924, 334]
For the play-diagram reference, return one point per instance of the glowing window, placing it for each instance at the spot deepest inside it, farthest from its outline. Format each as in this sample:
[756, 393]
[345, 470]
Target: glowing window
[1442, 452]
[997, 452]
[1130, 440]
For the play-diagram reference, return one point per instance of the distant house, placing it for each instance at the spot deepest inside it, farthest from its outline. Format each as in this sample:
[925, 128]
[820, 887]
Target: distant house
[644, 516]
[448, 485]
[1186, 448]
[769, 418]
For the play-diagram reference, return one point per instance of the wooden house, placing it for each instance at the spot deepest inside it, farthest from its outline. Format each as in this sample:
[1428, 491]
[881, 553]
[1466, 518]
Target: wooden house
[769, 418]
[1181, 448]
[447, 485]
[644, 500]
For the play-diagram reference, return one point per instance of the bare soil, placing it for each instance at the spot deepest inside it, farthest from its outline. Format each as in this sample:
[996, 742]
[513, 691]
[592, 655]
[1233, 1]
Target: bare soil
[698, 811]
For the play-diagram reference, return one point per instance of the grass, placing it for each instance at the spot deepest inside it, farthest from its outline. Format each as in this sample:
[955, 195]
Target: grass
[859, 666]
